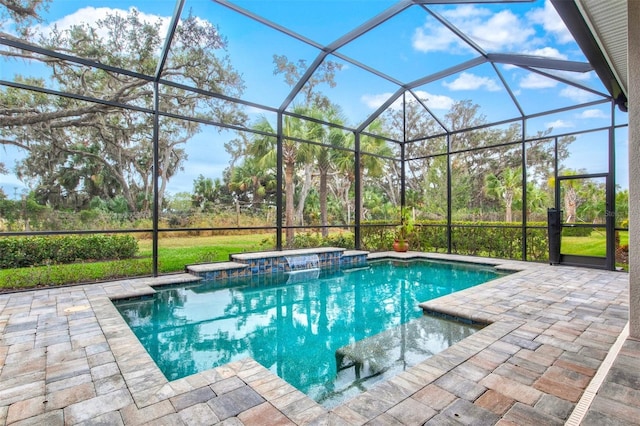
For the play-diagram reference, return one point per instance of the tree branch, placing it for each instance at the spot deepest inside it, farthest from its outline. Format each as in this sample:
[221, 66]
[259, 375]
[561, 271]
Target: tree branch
[14, 143]
[22, 11]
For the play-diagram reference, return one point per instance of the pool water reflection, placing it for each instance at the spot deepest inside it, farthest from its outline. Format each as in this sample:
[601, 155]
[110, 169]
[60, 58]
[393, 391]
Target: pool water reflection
[331, 334]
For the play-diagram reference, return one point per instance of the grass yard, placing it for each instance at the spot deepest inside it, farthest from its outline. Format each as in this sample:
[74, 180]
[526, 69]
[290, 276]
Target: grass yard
[594, 245]
[174, 254]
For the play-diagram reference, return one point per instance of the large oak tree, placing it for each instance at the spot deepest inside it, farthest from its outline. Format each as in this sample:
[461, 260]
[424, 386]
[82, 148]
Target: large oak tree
[78, 149]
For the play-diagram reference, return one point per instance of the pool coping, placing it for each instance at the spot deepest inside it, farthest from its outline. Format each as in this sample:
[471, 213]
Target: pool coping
[155, 387]
[150, 395]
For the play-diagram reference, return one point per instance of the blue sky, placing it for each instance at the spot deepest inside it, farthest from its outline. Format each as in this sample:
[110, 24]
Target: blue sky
[407, 47]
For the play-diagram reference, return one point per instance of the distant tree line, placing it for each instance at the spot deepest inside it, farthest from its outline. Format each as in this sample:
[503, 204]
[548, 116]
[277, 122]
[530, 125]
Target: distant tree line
[93, 160]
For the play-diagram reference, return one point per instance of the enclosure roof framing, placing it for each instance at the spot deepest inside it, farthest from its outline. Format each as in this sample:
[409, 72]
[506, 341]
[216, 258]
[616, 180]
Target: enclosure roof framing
[595, 26]
[527, 62]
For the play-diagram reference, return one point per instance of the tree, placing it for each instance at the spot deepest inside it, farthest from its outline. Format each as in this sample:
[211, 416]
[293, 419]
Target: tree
[105, 140]
[506, 186]
[622, 207]
[324, 74]
[334, 138]
[259, 150]
[320, 107]
[264, 148]
[537, 199]
[207, 192]
[570, 197]
[410, 124]
[371, 167]
[593, 204]
[253, 180]
[22, 14]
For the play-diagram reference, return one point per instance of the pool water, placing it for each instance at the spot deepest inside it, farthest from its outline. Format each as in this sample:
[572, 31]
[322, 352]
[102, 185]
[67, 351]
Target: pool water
[331, 334]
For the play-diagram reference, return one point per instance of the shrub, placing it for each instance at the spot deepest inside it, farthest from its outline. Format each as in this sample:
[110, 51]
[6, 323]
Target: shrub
[18, 252]
[342, 239]
[52, 275]
[578, 231]
[492, 239]
[315, 239]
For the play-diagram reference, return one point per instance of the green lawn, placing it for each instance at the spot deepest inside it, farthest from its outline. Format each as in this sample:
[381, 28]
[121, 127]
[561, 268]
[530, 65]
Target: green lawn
[174, 254]
[594, 245]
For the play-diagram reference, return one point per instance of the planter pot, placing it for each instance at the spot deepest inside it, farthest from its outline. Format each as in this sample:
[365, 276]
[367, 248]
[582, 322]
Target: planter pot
[400, 245]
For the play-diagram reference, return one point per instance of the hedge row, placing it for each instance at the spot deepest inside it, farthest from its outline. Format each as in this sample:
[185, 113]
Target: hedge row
[490, 239]
[19, 252]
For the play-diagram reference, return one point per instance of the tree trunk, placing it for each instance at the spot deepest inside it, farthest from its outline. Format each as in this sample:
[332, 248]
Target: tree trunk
[508, 216]
[304, 193]
[323, 202]
[571, 204]
[357, 204]
[289, 207]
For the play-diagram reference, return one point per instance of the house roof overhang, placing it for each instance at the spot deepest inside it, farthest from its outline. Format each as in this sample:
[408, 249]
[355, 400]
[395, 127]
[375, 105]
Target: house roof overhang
[600, 29]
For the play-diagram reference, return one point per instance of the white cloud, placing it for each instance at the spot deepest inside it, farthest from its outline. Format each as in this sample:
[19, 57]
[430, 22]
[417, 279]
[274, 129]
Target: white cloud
[576, 77]
[441, 102]
[592, 113]
[551, 22]
[431, 38]
[466, 11]
[546, 52]
[493, 32]
[502, 31]
[254, 110]
[375, 101]
[559, 124]
[537, 81]
[90, 15]
[468, 81]
[434, 37]
[576, 94]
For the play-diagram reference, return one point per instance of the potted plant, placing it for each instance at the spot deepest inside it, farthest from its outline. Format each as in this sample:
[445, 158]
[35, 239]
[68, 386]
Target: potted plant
[401, 241]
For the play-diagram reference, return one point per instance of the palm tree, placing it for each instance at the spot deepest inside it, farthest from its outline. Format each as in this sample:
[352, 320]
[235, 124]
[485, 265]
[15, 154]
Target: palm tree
[505, 186]
[251, 178]
[593, 206]
[204, 192]
[372, 164]
[537, 198]
[264, 148]
[325, 156]
[569, 195]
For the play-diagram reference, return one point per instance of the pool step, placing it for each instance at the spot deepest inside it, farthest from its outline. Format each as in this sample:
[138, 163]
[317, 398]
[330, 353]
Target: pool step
[400, 347]
[220, 270]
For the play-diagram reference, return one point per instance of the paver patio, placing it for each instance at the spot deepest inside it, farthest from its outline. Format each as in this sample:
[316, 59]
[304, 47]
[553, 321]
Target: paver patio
[68, 357]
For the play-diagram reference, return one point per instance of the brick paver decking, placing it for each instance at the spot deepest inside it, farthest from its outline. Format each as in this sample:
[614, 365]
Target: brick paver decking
[67, 357]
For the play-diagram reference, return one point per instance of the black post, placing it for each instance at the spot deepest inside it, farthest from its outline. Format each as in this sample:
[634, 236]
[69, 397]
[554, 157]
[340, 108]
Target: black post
[554, 229]
[279, 179]
[357, 193]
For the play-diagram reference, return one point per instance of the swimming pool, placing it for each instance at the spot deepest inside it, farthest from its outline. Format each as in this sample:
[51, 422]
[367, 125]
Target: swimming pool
[331, 334]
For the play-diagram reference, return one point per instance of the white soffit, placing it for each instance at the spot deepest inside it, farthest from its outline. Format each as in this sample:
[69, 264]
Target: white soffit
[607, 20]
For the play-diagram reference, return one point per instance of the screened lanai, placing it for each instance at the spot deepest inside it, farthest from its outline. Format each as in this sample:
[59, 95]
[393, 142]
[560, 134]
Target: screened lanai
[139, 137]
[314, 123]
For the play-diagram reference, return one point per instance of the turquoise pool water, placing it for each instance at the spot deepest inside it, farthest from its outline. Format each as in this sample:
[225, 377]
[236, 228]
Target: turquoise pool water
[330, 334]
